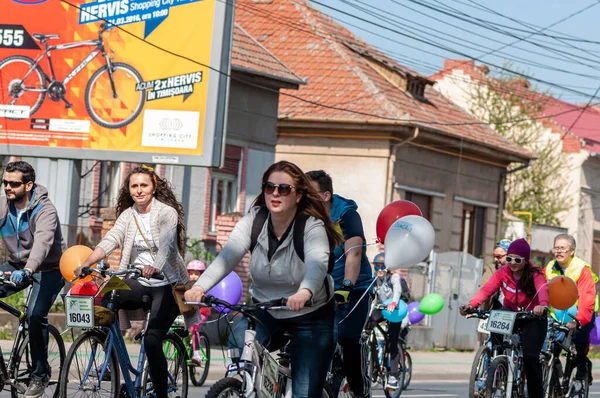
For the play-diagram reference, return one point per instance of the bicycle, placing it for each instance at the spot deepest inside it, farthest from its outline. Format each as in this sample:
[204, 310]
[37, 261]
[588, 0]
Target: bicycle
[103, 337]
[483, 357]
[195, 341]
[505, 376]
[556, 382]
[23, 82]
[257, 373]
[379, 357]
[16, 371]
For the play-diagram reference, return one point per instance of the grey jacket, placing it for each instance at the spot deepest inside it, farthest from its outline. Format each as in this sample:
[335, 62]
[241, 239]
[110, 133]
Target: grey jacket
[38, 243]
[389, 288]
[285, 274]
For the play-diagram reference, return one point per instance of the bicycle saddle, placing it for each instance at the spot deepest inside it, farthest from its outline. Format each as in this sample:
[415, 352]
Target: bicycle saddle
[42, 36]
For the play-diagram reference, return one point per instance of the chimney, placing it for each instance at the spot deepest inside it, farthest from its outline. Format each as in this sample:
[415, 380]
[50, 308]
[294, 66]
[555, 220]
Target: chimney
[460, 64]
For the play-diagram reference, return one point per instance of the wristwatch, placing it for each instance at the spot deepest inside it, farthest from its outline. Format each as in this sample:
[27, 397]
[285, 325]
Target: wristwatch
[347, 284]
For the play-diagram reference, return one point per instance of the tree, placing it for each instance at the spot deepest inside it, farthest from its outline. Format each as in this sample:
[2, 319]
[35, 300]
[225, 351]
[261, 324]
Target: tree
[513, 108]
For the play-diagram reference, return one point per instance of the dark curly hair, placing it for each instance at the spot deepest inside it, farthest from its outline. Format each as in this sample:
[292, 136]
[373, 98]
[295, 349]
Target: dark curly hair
[163, 192]
[310, 203]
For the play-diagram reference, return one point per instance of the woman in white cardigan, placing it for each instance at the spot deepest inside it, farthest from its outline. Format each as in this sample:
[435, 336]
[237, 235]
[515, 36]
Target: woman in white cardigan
[150, 231]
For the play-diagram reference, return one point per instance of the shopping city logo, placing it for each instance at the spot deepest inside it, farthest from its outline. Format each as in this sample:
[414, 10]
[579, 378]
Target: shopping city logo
[170, 124]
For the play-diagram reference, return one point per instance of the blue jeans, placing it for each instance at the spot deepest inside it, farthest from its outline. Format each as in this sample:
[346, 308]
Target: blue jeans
[45, 288]
[311, 347]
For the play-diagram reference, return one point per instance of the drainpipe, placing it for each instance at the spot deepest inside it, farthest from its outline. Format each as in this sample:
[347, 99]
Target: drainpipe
[502, 195]
[391, 179]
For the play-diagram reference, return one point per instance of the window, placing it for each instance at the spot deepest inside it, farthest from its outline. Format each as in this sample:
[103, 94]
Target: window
[223, 198]
[423, 202]
[473, 228]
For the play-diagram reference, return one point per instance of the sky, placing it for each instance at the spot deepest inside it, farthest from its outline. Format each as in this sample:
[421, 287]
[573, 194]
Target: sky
[553, 42]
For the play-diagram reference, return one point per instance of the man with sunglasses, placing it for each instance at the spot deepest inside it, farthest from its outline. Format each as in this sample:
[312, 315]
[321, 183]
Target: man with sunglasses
[567, 263]
[352, 276]
[31, 233]
[495, 302]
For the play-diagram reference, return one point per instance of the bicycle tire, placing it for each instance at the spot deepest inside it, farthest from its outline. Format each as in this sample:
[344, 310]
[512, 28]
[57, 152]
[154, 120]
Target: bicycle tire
[395, 393]
[202, 341]
[498, 364]
[5, 90]
[178, 365]
[478, 373]
[95, 338]
[373, 362]
[88, 96]
[23, 376]
[408, 369]
[225, 386]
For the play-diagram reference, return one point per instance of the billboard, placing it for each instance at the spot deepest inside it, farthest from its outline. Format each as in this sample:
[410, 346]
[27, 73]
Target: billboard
[123, 80]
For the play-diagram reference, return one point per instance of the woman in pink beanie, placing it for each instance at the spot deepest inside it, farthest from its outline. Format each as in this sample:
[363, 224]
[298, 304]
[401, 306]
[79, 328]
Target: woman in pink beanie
[524, 287]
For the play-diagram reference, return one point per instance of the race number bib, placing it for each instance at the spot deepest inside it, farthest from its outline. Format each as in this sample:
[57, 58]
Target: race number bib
[482, 327]
[79, 311]
[269, 376]
[501, 322]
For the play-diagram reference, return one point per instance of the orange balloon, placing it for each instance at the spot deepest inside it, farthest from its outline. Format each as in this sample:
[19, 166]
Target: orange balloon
[72, 258]
[562, 292]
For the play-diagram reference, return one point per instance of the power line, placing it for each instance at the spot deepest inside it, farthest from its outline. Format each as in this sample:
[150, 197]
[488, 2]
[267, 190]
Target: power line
[491, 51]
[458, 52]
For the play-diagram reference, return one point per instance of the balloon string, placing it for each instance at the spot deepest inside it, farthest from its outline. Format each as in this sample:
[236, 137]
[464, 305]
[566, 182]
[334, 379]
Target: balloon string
[534, 296]
[354, 247]
[359, 300]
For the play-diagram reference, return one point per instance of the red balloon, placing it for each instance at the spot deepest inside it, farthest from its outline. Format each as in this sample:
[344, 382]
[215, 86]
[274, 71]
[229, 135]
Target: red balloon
[391, 213]
[87, 288]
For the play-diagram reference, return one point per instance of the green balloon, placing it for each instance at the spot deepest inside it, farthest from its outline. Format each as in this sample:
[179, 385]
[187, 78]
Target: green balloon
[431, 304]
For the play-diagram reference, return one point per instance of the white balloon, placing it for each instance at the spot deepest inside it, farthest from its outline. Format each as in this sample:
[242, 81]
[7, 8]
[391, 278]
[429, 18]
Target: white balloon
[409, 241]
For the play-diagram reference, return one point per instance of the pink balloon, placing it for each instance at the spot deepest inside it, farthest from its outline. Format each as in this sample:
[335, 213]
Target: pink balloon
[229, 289]
[414, 315]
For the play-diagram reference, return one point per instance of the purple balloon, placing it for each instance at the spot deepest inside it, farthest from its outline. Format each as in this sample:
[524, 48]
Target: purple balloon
[229, 289]
[414, 316]
[595, 334]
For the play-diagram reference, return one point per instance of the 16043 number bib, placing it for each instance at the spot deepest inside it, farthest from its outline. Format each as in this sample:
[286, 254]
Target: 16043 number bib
[501, 322]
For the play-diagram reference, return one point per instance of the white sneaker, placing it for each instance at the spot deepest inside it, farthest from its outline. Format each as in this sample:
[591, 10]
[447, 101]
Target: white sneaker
[392, 383]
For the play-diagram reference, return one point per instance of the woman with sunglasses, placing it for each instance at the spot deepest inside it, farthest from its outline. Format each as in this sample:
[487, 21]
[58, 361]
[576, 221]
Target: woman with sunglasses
[524, 287]
[277, 271]
[389, 286]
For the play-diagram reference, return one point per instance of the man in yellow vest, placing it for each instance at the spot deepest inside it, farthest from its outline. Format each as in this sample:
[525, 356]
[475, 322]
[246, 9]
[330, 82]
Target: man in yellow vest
[566, 263]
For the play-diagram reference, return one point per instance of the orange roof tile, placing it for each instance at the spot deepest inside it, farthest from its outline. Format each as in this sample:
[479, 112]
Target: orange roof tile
[341, 82]
[248, 54]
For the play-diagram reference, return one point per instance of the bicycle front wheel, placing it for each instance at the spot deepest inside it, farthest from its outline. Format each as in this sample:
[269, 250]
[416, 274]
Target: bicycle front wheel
[199, 371]
[174, 351]
[21, 83]
[395, 392]
[84, 374]
[479, 370]
[111, 98]
[407, 369]
[22, 365]
[496, 384]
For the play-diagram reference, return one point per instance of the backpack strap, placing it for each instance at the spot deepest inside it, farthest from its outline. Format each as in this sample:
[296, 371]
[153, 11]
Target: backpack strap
[299, 227]
[257, 226]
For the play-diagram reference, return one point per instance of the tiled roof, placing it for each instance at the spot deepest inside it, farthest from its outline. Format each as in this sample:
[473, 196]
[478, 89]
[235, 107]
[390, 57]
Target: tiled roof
[342, 84]
[248, 54]
[573, 122]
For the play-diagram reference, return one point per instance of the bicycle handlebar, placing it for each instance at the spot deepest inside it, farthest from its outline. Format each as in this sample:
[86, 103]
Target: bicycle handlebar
[477, 313]
[131, 272]
[5, 280]
[277, 304]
